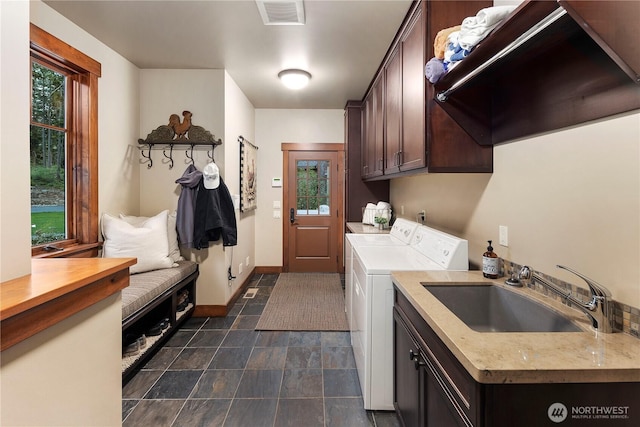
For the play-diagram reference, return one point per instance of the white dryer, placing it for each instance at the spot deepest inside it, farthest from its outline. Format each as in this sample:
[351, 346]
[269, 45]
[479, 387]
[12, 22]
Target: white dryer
[400, 234]
[372, 303]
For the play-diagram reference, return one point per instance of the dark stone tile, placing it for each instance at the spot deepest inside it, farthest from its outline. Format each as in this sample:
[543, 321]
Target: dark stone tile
[267, 358]
[245, 322]
[157, 413]
[219, 322]
[127, 407]
[251, 412]
[180, 338]
[203, 413]
[301, 383]
[194, 323]
[386, 419]
[303, 357]
[240, 338]
[253, 309]
[300, 339]
[231, 358]
[259, 383]
[163, 358]
[236, 309]
[140, 384]
[338, 358]
[297, 412]
[174, 385]
[272, 339]
[345, 412]
[218, 384]
[208, 338]
[336, 339]
[268, 279]
[341, 382]
[193, 358]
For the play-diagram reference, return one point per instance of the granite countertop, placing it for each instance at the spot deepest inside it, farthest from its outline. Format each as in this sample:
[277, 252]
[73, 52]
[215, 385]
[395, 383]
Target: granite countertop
[360, 228]
[529, 357]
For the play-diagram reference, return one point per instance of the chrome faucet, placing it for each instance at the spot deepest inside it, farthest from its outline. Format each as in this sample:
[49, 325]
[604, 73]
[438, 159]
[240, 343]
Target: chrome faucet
[599, 310]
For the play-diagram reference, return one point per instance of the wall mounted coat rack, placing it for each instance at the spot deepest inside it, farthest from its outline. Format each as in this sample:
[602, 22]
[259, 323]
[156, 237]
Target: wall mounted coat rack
[177, 133]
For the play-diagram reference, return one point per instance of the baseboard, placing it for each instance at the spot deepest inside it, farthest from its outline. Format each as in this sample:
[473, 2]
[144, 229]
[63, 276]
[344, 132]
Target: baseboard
[268, 270]
[223, 310]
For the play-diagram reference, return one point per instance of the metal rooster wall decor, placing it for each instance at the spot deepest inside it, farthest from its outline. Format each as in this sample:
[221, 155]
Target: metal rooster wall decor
[177, 132]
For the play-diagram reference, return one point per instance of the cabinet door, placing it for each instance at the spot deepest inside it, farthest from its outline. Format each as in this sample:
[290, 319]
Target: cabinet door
[378, 141]
[413, 155]
[368, 133]
[440, 410]
[407, 377]
[393, 111]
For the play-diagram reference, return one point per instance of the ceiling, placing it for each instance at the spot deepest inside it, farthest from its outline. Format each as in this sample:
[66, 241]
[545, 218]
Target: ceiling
[341, 44]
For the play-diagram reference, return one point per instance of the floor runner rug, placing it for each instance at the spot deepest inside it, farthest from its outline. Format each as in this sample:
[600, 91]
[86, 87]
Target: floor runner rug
[305, 302]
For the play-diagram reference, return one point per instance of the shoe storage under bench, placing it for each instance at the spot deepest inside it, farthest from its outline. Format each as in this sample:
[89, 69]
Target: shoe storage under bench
[154, 305]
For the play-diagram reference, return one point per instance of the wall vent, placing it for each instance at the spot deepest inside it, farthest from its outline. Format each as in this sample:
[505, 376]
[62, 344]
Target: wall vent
[281, 12]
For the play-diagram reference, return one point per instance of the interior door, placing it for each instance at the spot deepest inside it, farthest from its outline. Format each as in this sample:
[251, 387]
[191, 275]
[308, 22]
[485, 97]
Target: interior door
[313, 203]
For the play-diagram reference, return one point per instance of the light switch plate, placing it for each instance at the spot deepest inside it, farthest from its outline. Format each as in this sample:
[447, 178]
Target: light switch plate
[503, 232]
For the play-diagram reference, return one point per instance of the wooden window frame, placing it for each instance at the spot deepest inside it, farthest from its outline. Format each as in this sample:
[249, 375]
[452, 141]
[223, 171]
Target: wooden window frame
[82, 159]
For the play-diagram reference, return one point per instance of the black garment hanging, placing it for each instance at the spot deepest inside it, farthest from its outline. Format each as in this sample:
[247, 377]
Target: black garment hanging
[214, 217]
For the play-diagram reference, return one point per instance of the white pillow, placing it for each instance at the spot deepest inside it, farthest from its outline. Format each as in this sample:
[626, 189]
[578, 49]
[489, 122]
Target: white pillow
[148, 242]
[172, 232]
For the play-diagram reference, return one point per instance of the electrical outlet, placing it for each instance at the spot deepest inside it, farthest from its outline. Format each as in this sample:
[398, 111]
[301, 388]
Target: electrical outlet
[402, 210]
[240, 268]
[503, 232]
[247, 262]
[276, 214]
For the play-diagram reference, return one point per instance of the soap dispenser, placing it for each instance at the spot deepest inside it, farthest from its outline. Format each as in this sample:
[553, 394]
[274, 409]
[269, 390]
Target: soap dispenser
[490, 263]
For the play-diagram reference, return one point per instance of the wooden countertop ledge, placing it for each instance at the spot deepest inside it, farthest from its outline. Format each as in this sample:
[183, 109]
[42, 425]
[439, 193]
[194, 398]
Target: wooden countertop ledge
[56, 289]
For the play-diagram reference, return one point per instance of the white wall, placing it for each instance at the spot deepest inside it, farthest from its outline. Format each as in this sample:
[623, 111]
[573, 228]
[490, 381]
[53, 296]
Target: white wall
[239, 121]
[570, 197]
[68, 374]
[273, 127]
[166, 92]
[15, 202]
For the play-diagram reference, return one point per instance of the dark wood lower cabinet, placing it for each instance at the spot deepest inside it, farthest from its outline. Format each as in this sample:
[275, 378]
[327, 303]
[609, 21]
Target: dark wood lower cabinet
[433, 389]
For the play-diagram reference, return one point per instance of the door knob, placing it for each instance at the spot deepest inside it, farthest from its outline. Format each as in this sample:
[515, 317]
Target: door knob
[292, 216]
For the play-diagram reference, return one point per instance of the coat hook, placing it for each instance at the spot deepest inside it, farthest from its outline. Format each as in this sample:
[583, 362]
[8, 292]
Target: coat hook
[211, 155]
[170, 156]
[189, 155]
[147, 156]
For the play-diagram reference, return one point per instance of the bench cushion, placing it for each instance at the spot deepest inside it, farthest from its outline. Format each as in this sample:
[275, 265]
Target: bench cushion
[144, 287]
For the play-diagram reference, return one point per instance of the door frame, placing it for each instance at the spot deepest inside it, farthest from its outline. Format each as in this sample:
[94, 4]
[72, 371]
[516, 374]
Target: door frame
[333, 147]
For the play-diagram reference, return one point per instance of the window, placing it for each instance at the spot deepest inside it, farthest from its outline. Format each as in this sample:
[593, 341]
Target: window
[64, 148]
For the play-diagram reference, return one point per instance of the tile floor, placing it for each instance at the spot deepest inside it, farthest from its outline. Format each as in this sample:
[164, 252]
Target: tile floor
[221, 372]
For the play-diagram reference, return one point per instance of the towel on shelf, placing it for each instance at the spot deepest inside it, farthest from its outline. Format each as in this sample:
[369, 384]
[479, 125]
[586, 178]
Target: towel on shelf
[475, 28]
[452, 46]
[383, 210]
[434, 69]
[369, 214]
[440, 42]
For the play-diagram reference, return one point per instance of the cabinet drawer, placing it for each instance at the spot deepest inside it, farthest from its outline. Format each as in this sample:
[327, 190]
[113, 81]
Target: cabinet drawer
[461, 387]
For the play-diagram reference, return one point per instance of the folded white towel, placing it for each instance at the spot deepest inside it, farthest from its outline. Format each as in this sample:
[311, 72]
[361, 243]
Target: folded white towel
[369, 214]
[383, 210]
[476, 28]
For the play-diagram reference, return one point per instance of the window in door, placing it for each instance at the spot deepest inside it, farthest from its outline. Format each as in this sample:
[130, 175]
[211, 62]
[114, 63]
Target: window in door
[313, 195]
[63, 148]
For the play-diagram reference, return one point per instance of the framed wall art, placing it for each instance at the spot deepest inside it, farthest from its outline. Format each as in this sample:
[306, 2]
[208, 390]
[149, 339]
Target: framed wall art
[248, 175]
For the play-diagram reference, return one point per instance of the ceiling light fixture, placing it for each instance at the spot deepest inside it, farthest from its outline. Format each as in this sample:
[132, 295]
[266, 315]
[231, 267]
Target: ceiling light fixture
[294, 78]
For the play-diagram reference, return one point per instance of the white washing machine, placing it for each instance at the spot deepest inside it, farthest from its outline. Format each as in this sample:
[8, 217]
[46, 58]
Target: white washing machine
[372, 303]
[400, 234]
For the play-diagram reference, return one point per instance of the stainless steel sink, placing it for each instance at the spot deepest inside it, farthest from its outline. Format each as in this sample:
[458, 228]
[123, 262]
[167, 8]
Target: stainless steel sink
[489, 308]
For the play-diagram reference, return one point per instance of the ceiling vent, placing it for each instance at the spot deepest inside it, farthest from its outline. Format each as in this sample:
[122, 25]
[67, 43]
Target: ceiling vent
[281, 12]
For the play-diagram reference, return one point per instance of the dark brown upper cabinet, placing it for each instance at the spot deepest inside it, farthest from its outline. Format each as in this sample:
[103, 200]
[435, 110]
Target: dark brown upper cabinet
[405, 131]
[549, 65]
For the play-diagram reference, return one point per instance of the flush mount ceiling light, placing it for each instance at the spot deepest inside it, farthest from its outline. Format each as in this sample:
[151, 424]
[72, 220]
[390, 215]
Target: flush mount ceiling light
[294, 78]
